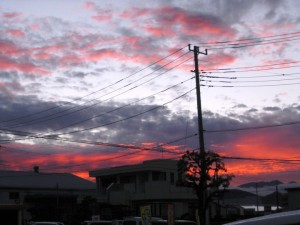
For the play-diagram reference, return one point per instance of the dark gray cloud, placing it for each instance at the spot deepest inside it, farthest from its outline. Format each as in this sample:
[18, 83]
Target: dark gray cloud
[9, 89]
[8, 76]
[234, 11]
[252, 110]
[272, 108]
[240, 106]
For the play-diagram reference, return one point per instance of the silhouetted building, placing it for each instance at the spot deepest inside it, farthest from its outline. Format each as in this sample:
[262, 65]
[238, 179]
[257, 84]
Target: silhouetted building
[151, 182]
[125, 189]
[33, 195]
[293, 190]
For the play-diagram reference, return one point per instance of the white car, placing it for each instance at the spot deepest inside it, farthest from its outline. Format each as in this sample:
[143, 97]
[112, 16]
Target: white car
[283, 218]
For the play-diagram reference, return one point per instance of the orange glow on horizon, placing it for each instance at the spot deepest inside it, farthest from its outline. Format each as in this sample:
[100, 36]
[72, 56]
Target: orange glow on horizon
[257, 145]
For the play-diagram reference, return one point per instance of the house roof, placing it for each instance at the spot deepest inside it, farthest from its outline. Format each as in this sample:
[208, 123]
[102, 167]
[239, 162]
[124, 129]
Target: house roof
[292, 186]
[149, 165]
[34, 180]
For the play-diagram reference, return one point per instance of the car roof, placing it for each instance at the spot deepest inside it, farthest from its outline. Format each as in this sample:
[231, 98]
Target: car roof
[97, 221]
[46, 223]
[292, 217]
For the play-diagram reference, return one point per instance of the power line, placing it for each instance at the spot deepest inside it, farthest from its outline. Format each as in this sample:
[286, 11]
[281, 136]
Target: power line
[260, 159]
[210, 81]
[49, 109]
[247, 39]
[251, 68]
[247, 77]
[127, 118]
[121, 107]
[21, 133]
[246, 86]
[250, 42]
[46, 118]
[97, 143]
[252, 128]
[118, 108]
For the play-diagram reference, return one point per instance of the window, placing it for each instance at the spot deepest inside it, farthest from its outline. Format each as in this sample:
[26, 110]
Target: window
[106, 181]
[14, 195]
[127, 179]
[158, 176]
[172, 178]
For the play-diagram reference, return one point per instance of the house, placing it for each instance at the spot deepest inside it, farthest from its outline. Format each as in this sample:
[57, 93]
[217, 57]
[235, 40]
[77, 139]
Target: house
[125, 189]
[293, 193]
[32, 195]
[153, 182]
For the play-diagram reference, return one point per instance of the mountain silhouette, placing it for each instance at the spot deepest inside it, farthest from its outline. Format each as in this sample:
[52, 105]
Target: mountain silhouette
[261, 184]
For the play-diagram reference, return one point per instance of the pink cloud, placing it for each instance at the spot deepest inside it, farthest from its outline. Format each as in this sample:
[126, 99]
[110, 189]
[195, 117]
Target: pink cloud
[133, 41]
[71, 58]
[214, 61]
[34, 26]
[46, 52]
[89, 5]
[268, 28]
[11, 15]
[56, 48]
[101, 15]
[43, 56]
[135, 13]
[15, 33]
[22, 67]
[168, 21]
[10, 49]
[104, 54]
[160, 31]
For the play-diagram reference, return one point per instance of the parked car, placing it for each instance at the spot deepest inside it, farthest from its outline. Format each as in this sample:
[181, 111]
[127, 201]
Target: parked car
[137, 220]
[97, 222]
[176, 222]
[117, 222]
[45, 223]
[155, 221]
[185, 222]
[283, 218]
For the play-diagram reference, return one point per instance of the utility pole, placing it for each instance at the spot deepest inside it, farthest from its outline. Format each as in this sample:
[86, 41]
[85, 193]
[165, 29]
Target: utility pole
[203, 178]
[277, 199]
[257, 207]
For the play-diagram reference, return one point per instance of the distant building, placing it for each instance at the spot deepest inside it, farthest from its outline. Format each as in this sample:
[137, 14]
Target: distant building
[53, 194]
[152, 183]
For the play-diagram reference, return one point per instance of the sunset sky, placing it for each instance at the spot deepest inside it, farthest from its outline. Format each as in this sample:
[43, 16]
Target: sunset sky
[86, 85]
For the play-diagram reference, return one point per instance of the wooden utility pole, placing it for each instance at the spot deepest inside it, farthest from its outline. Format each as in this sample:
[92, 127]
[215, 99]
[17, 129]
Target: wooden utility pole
[203, 178]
